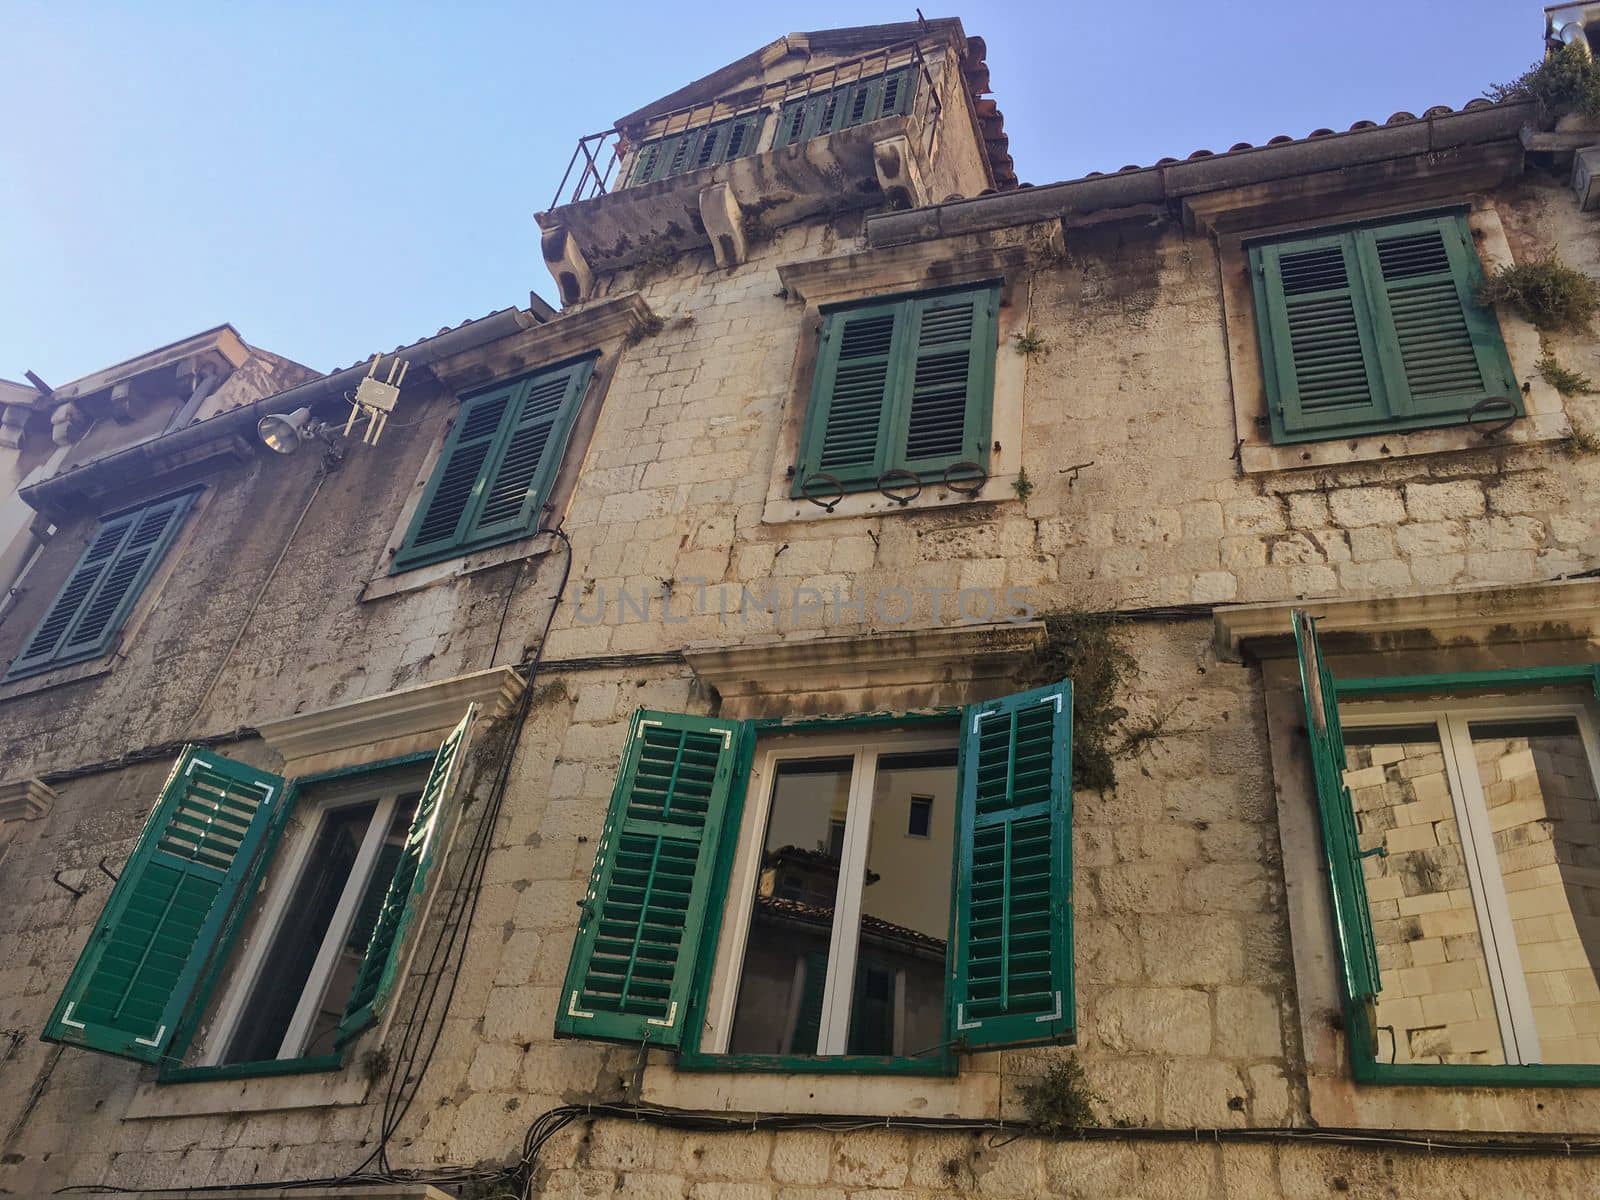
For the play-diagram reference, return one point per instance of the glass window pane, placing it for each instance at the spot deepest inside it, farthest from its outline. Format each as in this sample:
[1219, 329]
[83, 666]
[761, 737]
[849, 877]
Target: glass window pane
[299, 935]
[779, 1009]
[342, 979]
[1436, 1005]
[1540, 795]
[897, 1004]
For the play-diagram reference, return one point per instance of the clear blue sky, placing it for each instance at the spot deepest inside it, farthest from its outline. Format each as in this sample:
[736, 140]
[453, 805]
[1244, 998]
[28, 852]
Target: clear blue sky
[336, 178]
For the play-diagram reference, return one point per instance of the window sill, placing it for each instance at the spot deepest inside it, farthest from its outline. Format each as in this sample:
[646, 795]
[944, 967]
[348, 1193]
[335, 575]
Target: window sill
[811, 1064]
[208, 1096]
[252, 1070]
[427, 575]
[1258, 457]
[50, 677]
[785, 510]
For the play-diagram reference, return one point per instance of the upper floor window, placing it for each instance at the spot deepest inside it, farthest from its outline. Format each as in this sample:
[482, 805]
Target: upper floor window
[903, 394]
[846, 105]
[1378, 328]
[690, 149]
[806, 932]
[496, 467]
[84, 619]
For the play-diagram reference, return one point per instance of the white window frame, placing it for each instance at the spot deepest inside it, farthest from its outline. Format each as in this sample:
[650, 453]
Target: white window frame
[312, 808]
[844, 940]
[1451, 718]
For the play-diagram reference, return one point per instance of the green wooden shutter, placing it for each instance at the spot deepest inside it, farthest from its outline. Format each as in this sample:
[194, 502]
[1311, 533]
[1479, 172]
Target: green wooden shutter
[1441, 350]
[849, 419]
[947, 392]
[442, 516]
[1012, 983]
[90, 609]
[1352, 920]
[634, 954]
[139, 968]
[519, 479]
[1318, 347]
[899, 87]
[405, 901]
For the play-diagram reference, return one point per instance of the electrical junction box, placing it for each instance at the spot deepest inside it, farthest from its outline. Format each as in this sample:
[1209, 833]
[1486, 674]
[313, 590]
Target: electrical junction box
[374, 393]
[1586, 177]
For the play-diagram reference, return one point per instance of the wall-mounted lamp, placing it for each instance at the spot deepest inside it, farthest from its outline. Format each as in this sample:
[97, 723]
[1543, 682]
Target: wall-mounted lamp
[284, 432]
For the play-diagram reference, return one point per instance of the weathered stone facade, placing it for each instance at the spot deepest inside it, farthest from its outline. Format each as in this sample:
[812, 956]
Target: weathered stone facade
[1204, 967]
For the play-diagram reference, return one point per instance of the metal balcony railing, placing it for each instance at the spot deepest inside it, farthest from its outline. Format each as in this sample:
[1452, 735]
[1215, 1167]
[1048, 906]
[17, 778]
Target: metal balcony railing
[596, 164]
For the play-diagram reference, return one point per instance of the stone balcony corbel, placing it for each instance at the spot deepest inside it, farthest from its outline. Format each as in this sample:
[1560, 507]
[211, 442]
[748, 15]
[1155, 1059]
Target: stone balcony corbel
[899, 171]
[566, 262]
[723, 218]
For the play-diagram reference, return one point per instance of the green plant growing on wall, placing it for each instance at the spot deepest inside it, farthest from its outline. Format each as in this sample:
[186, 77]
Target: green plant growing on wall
[645, 327]
[1548, 292]
[1022, 485]
[1094, 651]
[1060, 1100]
[1564, 82]
[1029, 343]
[1581, 443]
[1568, 383]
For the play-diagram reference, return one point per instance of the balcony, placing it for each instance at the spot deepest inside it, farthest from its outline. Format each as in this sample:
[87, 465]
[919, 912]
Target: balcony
[856, 134]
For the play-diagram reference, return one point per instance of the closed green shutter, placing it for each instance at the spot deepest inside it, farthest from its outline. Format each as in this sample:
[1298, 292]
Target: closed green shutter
[1013, 958]
[85, 617]
[496, 466]
[1374, 329]
[903, 386]
[949, 385]
[692, 149]
[1358, 953]
[634, 954]
[139, 968]
[405, 901]
[845, 106]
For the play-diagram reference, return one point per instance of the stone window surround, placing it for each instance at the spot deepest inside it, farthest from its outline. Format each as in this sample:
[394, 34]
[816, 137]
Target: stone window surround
[1478, 629]
[391, 725]
[1546, 415]
[603, 326]
[146, 604]
[890, 671]
[868, 275]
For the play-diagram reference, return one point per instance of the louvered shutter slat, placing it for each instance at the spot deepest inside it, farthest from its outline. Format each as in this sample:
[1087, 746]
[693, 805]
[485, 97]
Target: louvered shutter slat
[442, 516]
[139, 969]
[135, 561]
[1358, 954]
[1013, 962]
[849, 419]
[42, 645]
[405, 901]
[638, 937]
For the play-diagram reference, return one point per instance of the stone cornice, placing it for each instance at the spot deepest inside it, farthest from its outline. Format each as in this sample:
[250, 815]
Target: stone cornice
[574, 332]
[905, 268]
[399, 714]
[1546, 611]
[851, 662]
[25, 799]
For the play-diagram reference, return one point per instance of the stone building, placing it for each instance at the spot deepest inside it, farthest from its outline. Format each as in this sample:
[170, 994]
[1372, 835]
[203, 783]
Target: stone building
[645, 766]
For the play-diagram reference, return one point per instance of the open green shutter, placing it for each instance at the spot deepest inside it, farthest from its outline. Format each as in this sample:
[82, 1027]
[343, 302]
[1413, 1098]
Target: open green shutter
[519, 479]
[946, 395]
[1352, 920]
[442, 517]
[634, 955]
[1012, 966]
[139, 968]
[849, 419]
[1317, 342]
[91, 607]
[405, 901]
[1442, 351]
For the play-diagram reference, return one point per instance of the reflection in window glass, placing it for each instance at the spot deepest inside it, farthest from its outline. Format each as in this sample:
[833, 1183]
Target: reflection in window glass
[1540, 797]
[897, 1006]
[1437, 1004]
[779, 1005]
